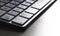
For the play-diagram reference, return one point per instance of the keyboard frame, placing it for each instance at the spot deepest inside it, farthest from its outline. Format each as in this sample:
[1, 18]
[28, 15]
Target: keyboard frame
[8, 26]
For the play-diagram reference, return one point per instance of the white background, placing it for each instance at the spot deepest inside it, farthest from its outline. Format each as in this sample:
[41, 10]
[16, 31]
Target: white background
[47, 25]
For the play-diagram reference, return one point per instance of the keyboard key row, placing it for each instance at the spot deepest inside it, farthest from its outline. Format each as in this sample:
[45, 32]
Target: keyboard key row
[8, 6]
[14, 13]
[18, 10]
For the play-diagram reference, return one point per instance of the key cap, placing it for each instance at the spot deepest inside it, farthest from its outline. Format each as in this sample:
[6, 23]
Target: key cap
[19, 20]
[25, 3]
[39, 4]
[30, 1]
[31, 10]
[1, 3]
[22, 6]
[2, 12]
[13, 13]
[5, 1]
[15, 2]
[10, 5]
[20, 0]
[5, 8]
[27, 15]
[7, 17]
[18, 9]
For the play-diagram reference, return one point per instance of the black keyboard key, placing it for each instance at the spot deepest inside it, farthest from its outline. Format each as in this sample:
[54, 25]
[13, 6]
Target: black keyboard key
[22, 6]
[18, 9]
[1, 3]
[5, 1]
[10, 5]
[15, 2]
[7, 17]
[20, 20]
[25, 3]
[2, 12]
[5, 8]
[13, 13]
[27, 15]
[30, 1]
[19, 0]
[31, 10]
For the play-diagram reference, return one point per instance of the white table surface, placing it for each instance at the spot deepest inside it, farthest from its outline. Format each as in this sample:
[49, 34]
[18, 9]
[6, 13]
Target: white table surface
[47, 25]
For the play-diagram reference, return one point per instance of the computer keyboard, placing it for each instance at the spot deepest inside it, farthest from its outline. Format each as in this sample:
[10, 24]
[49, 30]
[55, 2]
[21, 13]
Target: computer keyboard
[20, 12]
[11, 10]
